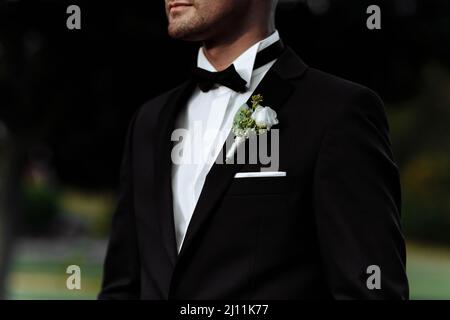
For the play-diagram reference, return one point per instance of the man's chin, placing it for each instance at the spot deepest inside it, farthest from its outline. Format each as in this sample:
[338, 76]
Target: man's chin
[184, 33]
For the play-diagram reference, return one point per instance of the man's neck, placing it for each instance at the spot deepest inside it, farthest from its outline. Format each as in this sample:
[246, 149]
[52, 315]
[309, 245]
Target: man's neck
[221, 53]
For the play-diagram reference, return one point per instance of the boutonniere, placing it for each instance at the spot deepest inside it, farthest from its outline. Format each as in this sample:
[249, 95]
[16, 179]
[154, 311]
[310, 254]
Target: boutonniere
[251, 121]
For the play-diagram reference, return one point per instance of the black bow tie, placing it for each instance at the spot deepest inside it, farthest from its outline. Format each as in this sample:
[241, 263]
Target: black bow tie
[229, 77]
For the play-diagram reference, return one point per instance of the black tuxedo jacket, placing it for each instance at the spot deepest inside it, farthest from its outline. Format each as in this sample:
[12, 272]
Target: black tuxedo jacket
[309, 235]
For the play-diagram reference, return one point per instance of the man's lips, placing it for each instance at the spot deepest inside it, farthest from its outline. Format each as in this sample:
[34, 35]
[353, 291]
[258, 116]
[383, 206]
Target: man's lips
[179, 4]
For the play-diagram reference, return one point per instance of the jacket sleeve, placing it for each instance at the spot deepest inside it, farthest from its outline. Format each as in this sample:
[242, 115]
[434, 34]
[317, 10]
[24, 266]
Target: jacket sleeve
[357, 203]
[121, 273]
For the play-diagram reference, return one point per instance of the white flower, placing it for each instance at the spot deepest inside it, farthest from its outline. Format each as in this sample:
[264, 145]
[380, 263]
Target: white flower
[251, 121]
[265, 117]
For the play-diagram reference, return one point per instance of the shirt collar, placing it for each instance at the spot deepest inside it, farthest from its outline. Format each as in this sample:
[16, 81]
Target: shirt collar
[244, 63]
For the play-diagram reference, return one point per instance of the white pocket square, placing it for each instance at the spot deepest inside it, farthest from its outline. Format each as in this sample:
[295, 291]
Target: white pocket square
[260, 174]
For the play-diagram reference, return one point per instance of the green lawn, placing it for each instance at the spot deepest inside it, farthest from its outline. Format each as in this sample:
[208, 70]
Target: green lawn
[429, 272]
[39, 270]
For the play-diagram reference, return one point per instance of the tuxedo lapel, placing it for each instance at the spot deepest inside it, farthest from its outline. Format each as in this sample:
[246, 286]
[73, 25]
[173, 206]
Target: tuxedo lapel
[163, 166]
[275, 89]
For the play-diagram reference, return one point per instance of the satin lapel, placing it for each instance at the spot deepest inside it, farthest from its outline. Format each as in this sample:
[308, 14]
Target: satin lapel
[163, 166]
[275, 89]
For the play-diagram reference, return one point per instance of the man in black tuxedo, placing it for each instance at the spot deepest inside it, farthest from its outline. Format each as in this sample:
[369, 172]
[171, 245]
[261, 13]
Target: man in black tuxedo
[324, 225]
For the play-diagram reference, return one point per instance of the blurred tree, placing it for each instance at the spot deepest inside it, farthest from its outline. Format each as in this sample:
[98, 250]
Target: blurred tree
[421, 140]
[10, 203]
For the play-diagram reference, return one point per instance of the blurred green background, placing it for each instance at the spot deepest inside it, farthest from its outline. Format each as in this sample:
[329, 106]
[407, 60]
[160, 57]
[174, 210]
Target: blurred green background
[63, 122]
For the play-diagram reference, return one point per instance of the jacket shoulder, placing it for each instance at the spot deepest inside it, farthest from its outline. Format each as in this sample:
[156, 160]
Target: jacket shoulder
[337, 97]
[160, 100]
[153, 107]
[337, 87]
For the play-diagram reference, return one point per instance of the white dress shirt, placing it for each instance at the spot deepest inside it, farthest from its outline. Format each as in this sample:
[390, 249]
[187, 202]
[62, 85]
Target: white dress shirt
[208, 117]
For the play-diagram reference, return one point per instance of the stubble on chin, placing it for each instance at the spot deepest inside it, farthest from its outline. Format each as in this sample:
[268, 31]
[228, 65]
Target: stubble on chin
[187, 28]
